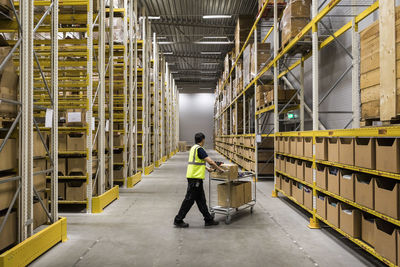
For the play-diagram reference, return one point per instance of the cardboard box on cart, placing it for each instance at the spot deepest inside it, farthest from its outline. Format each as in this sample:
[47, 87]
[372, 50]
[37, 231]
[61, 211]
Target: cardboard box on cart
[231, 172]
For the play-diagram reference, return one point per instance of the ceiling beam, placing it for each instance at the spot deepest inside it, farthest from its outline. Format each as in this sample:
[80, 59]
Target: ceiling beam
[190, 24]
[196, 56]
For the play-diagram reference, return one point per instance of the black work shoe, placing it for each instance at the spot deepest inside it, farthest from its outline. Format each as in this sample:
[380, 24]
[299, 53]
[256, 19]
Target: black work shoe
[211, 223]
[181, 224]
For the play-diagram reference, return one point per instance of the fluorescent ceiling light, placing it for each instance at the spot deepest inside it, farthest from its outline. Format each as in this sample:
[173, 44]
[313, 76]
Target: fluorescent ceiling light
[207, 72]
[210, 63]
[211, 53]
[206, 88]
[168, 53]
[154, 17]
[213, 43]
[161, 37]
[208, 78]
[217, 16]
[215, 37]
[166, 42]
[171, 64]
[174, 72]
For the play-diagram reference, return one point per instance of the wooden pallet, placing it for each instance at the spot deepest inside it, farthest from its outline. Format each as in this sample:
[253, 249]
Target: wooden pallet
[6, 122]
[264, 106]
[375, 122]
[301, 47]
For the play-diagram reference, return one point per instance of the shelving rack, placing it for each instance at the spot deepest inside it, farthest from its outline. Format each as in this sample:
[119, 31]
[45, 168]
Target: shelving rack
[282, 65]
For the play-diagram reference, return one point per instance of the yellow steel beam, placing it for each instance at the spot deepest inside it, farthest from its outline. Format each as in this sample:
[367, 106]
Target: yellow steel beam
[268, 34]
[133, 180]
[31, 248]
[149, 169]
[100, 202]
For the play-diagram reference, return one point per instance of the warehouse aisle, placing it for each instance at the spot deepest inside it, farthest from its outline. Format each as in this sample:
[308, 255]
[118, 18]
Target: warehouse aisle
[137, 231]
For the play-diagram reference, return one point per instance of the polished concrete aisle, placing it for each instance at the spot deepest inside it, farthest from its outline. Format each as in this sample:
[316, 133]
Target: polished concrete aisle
[137, 230]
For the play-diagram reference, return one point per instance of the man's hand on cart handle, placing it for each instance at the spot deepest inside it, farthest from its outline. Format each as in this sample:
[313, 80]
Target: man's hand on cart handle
[214, 165]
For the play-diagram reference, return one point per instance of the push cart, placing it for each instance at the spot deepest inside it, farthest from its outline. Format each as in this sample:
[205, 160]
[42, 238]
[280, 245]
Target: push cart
[229, 211]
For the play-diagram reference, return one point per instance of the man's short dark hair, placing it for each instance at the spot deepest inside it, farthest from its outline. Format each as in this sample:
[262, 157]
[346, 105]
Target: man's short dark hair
[199, 137]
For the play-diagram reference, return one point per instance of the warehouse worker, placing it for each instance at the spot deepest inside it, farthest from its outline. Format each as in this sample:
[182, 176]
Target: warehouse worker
[196, 172]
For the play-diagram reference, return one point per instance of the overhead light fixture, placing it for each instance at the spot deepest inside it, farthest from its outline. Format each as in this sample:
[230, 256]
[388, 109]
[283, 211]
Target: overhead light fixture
[217, 16]
[174, 72]
[166, 42]
[206, 88]
[154, 17]
[207, 72]
[168, 53]
[208, 78]
[211, 53]
[161, 37]
[210, 63]
[214, 43]
[171, 64]
[215, 37]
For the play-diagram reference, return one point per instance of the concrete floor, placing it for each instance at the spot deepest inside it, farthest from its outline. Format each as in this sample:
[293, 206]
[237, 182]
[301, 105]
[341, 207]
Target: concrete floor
[137, 230]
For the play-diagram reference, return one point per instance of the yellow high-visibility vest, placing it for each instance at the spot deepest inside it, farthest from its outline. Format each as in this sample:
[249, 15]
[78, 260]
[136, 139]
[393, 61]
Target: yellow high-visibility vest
[196, 166]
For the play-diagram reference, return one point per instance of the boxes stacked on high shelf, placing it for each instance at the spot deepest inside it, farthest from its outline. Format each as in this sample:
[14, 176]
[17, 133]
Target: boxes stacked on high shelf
[265, 95]
[371, 91]
[356, 182]
[242, 30]
[250, 70]
[295, 17]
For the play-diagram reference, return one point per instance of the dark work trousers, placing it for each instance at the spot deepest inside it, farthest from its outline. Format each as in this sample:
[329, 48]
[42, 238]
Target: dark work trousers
[195, 192]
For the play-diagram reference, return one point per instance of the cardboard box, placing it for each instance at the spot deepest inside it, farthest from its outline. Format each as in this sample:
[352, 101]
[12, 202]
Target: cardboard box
[300, 146]
[231, 172]
[321, 205]
[322, 177]
[264, 155]
[9, 234]
[300, 169]
[8, 83]
[62, 166]
[308, 172]
[292, 167]
[38, 148]
[62, 142]
[364, 190]
[346, 151]
[78, 166]
[332, 211]
[266, 168]
[368, 228]
[118, 157]
[388, 154]
[287, 186]
[118, 173]
[61, 189]
[387, 197]
[39, 180]
[119, 140]
[333, 180]
[278, 163]
[182, 146]
[39, 214]
[385, 239]
[76, 191]
[76, 142]
[321, 148]
[281, 142]
[279, 182]
[7, 191]
[308, 147]
[247, 191]
[282, 159]
[350, 220]
[347, 188]
[365, 153]
[235, 197]
[333, 149]
[8, 156]
[286, 144]
[293, 145]
[297, 192]
[291, 26]
[308, 197]
[75, 117]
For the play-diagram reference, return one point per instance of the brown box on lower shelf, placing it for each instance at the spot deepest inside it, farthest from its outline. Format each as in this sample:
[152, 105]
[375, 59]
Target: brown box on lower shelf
[279, 182]
[76, 142]
[291, 167]
[300, 169]
[308, 172]
[364, 190]
[286, 144]
[387, 197]
[350, 220]
[388, 154]
[7, 191]
[297, 192]
[8, 156]
[322, 176]
[347, 184]
[282, 163]
[293, 145]
[78, 166]
[368, 229]
[308, 197]
[365, 153]
[231, 172]
[9, 234]
[287, 186]
[333, 149]
[300, 146]
[333, 180]
[321, 205]
[346, 151]
[332, 211]
[385, 239]
[321, 148]
[39, 214]
[76, 191]
[236, 194]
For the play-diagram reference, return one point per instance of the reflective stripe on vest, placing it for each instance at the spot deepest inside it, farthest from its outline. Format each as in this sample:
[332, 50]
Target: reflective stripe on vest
[196, 166]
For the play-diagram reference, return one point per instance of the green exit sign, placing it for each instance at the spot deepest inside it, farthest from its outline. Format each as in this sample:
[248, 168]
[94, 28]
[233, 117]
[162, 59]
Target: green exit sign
[290, 116]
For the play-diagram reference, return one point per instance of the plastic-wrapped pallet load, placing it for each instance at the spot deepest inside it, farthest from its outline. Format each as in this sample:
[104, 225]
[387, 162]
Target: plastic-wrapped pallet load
[295, 17]
[8, 84]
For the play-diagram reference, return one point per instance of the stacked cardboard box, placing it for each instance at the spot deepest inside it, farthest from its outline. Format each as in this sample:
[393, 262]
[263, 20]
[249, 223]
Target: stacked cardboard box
[8, 85]
[295, 17]
[370, 70]
[250, 66]
[238, 195]
[242, 30]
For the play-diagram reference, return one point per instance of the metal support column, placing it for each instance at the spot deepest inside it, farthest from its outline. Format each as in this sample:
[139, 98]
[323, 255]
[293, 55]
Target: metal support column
[111, 94]
[302, 94]
[135, 127]
[26, 126]
[125, 93]
[54, 129]
[131, 94]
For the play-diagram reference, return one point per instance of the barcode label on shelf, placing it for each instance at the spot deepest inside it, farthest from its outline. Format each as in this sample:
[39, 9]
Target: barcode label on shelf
[49, 118]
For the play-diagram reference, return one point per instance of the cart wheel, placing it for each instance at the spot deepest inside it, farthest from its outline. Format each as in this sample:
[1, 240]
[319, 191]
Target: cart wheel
[228, 219]
[251, 210]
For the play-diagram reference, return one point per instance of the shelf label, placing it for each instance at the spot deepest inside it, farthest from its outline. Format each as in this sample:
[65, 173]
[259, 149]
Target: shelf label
[258, 138]
[107, 125]
[49, 118]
